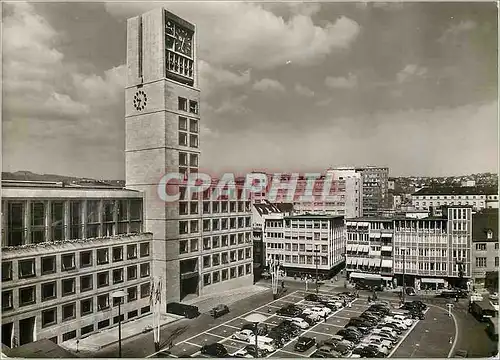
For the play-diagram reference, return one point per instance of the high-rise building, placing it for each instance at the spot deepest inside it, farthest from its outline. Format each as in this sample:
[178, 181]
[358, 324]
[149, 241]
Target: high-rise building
[375, 189]
[193, 237]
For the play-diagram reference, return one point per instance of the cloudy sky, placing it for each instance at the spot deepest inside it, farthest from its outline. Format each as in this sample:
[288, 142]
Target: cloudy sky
[285, 86]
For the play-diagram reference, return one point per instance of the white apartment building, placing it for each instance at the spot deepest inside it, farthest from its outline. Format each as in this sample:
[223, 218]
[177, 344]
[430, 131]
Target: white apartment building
[302, 243]
[477, 197]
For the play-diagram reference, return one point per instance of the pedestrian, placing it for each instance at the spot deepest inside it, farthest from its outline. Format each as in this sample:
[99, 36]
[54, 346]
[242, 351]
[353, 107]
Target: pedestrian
[325, 316]
[336, 278]
[369, 299]
[349, 304]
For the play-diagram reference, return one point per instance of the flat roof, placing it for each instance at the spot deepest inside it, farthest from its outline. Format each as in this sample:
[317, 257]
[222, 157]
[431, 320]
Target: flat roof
[68, 192]
[314, 217]
[456, 190]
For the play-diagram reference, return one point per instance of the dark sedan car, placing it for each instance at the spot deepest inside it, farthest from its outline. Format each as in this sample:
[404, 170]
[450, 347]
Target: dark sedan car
[219, 310]
[262, 328]
[363, 321]
[251, 350]
[367, 352]
[289, 311]
[349, 336]
[304, 344]
[325, 354]
[312, 297]
[369, 317]
[215, 350]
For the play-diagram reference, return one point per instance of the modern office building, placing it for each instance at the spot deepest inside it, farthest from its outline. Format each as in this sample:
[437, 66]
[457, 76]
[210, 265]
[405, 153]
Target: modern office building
[477, 197]
[369, 249]
[65, 250]
[304, 243]
[375, 189]
[484, 246]
[431, 251]
[200, 246]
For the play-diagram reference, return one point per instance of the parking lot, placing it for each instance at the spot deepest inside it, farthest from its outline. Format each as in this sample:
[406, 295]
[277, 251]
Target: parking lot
[321, 331]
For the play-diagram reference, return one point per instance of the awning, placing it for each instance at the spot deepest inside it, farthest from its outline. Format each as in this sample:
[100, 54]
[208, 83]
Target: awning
[386, 263]
[387, 278]
[366, 261]
[372, 235]
[355, 247]
[432, 281]
[354, 261]
[365, 224]
[386, 248]
[365, 276]
[349, 223]
[375, 262]
[364, 248]
[387, 235]
[348, 261]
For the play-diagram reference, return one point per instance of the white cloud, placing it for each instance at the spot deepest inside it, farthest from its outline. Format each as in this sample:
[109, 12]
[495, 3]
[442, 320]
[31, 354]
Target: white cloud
[233, 106]
[303, 90]
[213, 77]
[241, 33]
[268, 85]
[411, 72]
[457, 29]
[349, 82]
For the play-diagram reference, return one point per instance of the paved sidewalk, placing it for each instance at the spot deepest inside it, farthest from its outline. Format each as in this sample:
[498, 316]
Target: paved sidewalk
[207, 302]
[96, 341]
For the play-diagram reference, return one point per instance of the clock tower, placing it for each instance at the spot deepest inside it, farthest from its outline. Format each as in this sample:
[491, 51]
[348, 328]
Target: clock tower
[162, 136]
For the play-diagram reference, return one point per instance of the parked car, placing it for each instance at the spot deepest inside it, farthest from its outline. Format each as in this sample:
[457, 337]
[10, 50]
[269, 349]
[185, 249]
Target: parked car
[389, 331]
[242, 353]
[321, 311]
[290, 326]
[354, 330]
[400, 318]
[312, 297]
[379, 341]
[262, 328]
[264, 343]
[329, 305]
[369, 317]
[363, 320]
[349, 335]
[215, 350]
[322, 353]
[304, 344]
[289, 311]
[219, 310]
[367, 352]
[243, 335]
[381, 349]
[189, 311]
[301, 323]
[250, 349]
[385, 335]
[396, 326]
[362, 327]
[310, 319]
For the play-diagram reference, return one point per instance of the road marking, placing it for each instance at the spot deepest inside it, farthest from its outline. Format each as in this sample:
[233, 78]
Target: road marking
[342, 317]
[321, 333]
[408, 332]
[291, 353]
[209, 333]
[231, 326]
[190, 343]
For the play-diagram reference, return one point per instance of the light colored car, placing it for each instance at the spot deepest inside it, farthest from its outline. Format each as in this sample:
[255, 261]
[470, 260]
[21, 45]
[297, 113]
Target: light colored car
[380, 341]
[384, 335]
[316, 310]
[380, 348]
[314, 317]
[301, 323]
[398, 322]
[388, 330]
[407, 321]
[243, 335]
[264, 343]
[242, 353]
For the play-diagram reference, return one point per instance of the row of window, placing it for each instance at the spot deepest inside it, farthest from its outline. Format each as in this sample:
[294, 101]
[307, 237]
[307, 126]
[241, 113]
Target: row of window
[27, 295]
[297, 247]
[214, 207]
[183, 104]
[433, 266]
[482, 246]
[300, 259]
[192, 226]
[298, 225]
[481, 262]
[27, 267]
[226, 257]
[224, 274]
[467, 197]
[26, 221]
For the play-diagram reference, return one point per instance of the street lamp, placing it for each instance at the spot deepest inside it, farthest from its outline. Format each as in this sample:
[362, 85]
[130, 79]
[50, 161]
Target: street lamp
[119, 295]
[316, 251]
[256, 319]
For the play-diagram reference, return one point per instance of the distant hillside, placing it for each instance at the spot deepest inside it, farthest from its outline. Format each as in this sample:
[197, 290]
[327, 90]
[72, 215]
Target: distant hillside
[30, 176]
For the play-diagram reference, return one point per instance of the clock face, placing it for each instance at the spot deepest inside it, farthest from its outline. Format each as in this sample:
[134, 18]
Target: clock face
[179, 39]
[140, 100]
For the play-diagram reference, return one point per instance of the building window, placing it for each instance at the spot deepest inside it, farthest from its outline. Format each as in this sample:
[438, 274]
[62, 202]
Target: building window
[86, 283]
[183, 139]
[132, 293]
[496, 246]
[68, 311]
[194, 208]
[117, 276]
[27, 268]
[117, 319]
[248, 268]
[85, 259]
[108, 218]
[7, 300]
[48, 265]
[75, 218]
[49, 317]
[145, 310]
[102, 256]
[225, 258]
[215, 277]
[193, 226]
[49, 291]
[69, 335]
[144, 249]
[224, 274]
[193, 107]
[183, 123]
[118, 301]
[183, 247]
[480, 262]
[58, 226]
[206, 279]
[182, 104]
[122, 213]
[93, 219]
[489, 234]
[132, 272]
[481, 247]
[68, 262]
[6, 270]
[232, 272]
[206, 261]
[87, 329]
[193, 125]
[144, 270]
[145, 290]
[37, 222]
[496, 261]
[194, 245]
[68, 287]
[102, 324]
[102, 279]
[215, 242]
[132, 314]
[241, 271]
[16, 226]
[86, 307]
[117, 253]
[27, 296]
[102, 302]
[135, 216]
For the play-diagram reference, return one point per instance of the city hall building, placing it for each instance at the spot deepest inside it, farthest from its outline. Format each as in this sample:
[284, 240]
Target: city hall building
[200, 246]
[65, 250]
